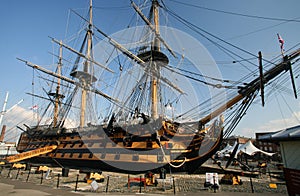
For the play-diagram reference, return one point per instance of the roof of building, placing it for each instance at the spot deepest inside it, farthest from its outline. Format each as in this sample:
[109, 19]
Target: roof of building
[240, 139]
[292, 133]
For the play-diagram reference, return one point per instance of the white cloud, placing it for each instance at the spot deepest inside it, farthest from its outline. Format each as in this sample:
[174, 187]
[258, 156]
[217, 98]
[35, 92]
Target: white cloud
[277, 124]
[17, 117]
[272, 125]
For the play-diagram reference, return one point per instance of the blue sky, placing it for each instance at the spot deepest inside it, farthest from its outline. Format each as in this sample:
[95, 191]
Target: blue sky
[26, 26]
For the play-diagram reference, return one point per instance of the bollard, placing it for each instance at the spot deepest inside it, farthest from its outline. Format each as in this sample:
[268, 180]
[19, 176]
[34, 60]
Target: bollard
[128, 182]
[214, 177]
[18, 173]
[42, 176]
[251, 185]
[140, 184]
[8, 172]
[174, 188]
[57, 185]
[107, 184]
[76, 183]
[28, 176]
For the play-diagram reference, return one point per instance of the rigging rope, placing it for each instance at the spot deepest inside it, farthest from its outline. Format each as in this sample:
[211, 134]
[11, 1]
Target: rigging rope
[198, 80]
[198, 29]
[290, 109]
[239, 113]
[165, 157]
[237, 14]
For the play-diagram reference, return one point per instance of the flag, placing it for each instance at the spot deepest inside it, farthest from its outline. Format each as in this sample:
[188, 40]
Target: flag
[35, 107]
[281, 41]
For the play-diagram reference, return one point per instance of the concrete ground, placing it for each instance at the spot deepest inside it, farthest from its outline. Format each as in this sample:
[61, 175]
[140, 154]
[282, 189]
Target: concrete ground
[14, 187]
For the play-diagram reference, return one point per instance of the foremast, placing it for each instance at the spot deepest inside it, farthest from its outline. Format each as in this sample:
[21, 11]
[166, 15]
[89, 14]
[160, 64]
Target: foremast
[84, 77]
[58, 96]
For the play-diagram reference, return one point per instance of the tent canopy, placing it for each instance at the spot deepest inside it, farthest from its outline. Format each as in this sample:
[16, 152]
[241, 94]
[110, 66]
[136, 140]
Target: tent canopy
[249, 149]
[227, 150]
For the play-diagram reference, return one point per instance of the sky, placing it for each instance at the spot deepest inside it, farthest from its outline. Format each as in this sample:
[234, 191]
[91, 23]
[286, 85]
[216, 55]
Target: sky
[250, 25]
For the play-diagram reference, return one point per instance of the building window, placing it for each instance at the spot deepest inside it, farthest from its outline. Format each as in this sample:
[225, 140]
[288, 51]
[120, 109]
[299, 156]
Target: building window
[270, 149]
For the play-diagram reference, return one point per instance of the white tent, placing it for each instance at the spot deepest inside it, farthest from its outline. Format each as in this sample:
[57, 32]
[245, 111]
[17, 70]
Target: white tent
[247, 148]
[227, 150]
[250, 149]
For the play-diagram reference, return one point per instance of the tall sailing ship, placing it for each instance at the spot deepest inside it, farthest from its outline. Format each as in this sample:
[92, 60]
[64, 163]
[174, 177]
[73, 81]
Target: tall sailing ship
[151, 113]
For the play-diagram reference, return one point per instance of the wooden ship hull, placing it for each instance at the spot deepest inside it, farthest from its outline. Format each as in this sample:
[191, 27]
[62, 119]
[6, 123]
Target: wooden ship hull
[97, 149]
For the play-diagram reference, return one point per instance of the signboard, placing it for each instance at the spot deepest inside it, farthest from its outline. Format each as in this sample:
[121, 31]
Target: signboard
[94, 185]
[47, 175]
[212, 178]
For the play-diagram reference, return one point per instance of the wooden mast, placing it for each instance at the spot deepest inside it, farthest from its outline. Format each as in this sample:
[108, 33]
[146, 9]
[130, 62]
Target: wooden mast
[154, 66]
[57, 95]
[86, 67]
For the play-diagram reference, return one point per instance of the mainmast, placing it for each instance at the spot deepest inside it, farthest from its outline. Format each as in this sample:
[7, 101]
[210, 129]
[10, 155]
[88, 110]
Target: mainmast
[153, 64]
[86, 68]
[156, 42]
[154, 58]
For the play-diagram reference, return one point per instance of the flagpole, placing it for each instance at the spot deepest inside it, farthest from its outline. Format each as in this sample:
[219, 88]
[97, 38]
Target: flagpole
[282, 52]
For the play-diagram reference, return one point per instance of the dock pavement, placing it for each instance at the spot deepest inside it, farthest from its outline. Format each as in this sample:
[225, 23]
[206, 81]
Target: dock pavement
[14, 187]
